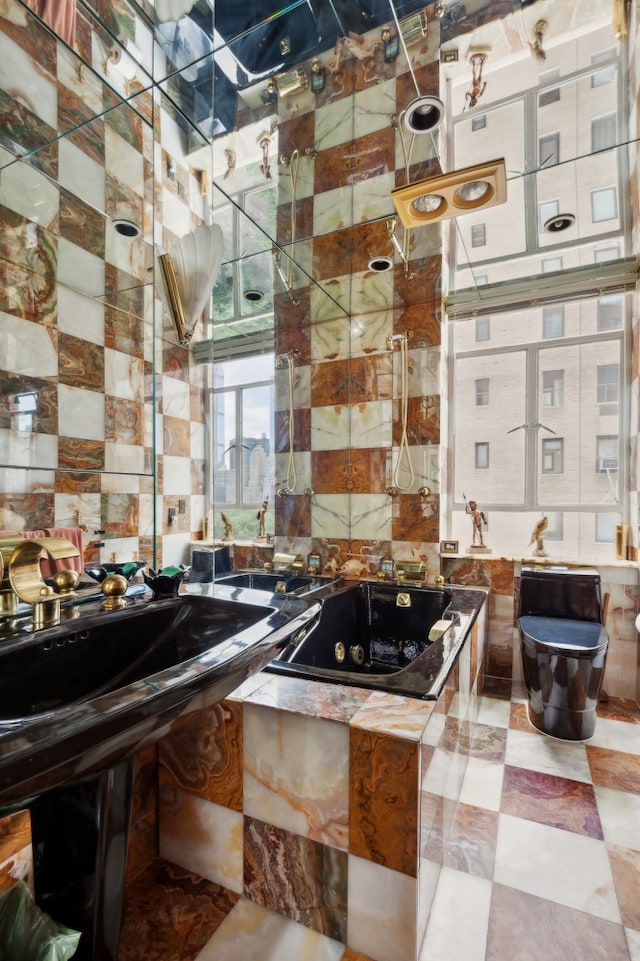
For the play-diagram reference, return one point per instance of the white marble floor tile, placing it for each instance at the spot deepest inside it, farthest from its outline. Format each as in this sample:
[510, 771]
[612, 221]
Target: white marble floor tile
[633, 940]
[459, 919]
[546, 754]
[616, 735]
[619, 816]
[557, 865]
[494, 711]
[252, 933]
[482, 784]
[382, 912]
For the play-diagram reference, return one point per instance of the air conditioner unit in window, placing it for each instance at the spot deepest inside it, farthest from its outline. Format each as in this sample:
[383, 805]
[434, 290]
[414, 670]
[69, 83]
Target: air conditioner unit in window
[607, 463]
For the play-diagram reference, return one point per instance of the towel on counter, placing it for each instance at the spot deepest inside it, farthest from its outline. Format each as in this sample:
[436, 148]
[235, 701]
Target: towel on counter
[49, 567]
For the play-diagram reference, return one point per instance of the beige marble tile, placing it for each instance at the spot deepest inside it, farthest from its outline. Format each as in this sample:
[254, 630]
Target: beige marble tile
[447, 938]
[382, 911]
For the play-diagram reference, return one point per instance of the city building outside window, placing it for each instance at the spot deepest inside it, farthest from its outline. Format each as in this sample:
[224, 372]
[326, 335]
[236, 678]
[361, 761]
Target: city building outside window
[553, 321]
[481, 455]
[607, 453]
[479, 122]
[601, 77]
[478, 235]
[550, 264]
[603, 132]
[549, 150]
[552, 455]
[546, 210]
[610, 312]
[608, 383]
[604, 204]
[483, 328]
[553, 388]
[482, 392]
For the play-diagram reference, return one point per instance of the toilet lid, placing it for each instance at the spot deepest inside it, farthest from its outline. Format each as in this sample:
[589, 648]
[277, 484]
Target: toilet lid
[564, 633]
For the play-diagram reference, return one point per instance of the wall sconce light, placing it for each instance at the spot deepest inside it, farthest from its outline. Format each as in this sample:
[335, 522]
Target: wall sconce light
[186, 275]
[270, 94]
[537, 49]
[449, 195]
[478, 87]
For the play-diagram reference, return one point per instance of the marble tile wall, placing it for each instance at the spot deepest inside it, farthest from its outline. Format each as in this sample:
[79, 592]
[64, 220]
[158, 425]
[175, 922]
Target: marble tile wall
[329, 806]
[16, 854]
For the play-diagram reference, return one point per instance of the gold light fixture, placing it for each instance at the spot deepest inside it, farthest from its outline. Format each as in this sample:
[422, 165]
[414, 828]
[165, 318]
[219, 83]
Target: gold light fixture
[449, 195]
[186, 275]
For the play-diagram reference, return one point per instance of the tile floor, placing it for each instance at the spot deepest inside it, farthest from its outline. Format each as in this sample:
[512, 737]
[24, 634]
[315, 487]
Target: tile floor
[543, 861]
[548, 861]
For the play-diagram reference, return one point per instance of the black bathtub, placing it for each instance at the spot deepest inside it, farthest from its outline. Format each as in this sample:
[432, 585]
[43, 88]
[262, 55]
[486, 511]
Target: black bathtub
[388, 637]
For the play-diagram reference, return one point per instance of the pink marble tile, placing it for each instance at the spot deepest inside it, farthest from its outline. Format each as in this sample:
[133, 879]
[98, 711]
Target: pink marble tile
[557, 801]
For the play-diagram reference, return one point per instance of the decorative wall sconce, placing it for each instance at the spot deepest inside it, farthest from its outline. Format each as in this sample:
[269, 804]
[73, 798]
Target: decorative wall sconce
[270, 94]
[449, 195]
[186, 275]
[537, 49]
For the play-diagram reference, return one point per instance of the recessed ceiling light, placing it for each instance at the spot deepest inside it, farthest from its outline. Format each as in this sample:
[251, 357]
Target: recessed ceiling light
[126, 228]
[254, 296]
[560, 222]
[380, 264]
[423, 114]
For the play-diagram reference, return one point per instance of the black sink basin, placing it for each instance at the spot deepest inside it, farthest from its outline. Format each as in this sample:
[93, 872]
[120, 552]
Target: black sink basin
[80, 696]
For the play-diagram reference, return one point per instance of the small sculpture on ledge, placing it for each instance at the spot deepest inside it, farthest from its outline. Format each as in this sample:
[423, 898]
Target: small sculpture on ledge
[478, 519]
[262, 522]
[228, 528]
[536, 536]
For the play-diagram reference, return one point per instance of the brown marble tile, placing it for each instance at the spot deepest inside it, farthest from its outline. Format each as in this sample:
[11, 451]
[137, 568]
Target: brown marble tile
[29, 294]
[370, 378]
[519, 719]
[614, 769]
[370, 240]
[81, 224]
[383, 799]
[297, 877]
[293, 339]
[332, 255]
[123, 202]
[81, 454]
[351, 955]
[289, 315]
[331, 383]
[368, 470]
[145, 785]
[625, 868]
[296, 133]
[69, 482]
[19, 125]
[477, 740]
[293, 515]
[529, 928]
[471, 843]
[547, 799]
[331, 471]
[203, 754]
[176, 434]
[426, 78]
[124, 422]
[422, 287]
[416, 518]
[46, 415]
[15, 834]
[620, 709]
[303, 222]
[142, 846]
[125, 292]
[170, 913]
[119, 514]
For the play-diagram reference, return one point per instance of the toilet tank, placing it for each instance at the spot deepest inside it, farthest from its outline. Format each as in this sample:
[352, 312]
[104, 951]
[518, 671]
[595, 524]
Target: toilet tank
[561, 592]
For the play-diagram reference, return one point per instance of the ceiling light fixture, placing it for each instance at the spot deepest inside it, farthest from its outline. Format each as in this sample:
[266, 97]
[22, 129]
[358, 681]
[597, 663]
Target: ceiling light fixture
[449, 195]
[423, 115]
[558, 223]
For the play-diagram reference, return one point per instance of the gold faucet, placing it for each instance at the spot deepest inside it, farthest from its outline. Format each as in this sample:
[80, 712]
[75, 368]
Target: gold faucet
[22, 579]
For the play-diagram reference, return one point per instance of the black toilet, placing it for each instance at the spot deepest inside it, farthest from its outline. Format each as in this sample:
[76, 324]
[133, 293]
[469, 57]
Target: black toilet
[564, 648]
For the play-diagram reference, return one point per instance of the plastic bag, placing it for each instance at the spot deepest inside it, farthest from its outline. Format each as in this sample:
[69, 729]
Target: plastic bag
[28, 934]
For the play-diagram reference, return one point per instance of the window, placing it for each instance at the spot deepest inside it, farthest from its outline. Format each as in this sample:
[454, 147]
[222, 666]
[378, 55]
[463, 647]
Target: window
[549, 96]
[549, 150]
[610, 313]
[482, 392]
[483, 328]
[608, 383]
[603, 254]
[242, 403]
[24, 410]
[603, 132]
[600, 77]
[481, 280]
[479, 123]
[481, 457]
[553, 388]
[546, 210]
[555, 526]
[549, 264]
[606, 453]
[604, 204]
[552, 455]
[553, 321]
[605, 528]
[478, 235]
